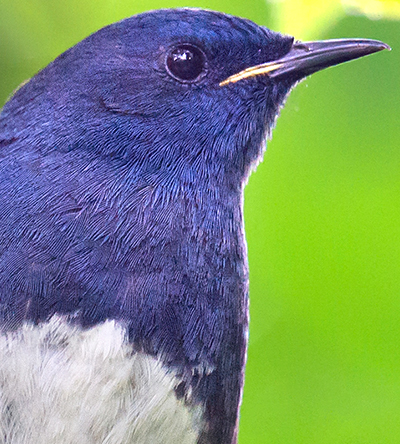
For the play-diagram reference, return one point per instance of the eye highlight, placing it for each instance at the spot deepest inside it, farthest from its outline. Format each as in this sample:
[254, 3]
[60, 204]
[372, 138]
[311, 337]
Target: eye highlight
[186, 63]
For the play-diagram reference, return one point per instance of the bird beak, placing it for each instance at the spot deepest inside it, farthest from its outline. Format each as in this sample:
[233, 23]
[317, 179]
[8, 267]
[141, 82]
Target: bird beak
[308, 57]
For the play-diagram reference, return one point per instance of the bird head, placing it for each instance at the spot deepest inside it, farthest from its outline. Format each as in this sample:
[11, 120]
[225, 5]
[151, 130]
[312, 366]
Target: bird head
[180, 93]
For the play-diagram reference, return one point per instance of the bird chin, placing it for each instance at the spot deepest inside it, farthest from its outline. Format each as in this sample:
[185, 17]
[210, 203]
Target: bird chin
[63, 384]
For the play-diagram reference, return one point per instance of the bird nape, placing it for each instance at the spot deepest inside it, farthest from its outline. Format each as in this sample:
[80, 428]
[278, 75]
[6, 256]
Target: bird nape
[123, 265]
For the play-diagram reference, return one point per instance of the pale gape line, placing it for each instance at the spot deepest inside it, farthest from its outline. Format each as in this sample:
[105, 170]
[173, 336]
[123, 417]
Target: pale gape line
[64, 385]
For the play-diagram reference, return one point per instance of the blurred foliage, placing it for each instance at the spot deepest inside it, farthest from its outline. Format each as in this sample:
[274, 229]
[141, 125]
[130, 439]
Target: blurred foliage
[306, 18]
[322, 218]
[375, 9]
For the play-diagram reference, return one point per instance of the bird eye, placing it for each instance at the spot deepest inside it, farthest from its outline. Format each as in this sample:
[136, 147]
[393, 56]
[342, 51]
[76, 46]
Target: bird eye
[186, 63]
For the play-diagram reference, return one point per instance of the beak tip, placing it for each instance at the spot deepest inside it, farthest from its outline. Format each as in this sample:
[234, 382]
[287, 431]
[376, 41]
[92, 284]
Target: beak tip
[378, 45]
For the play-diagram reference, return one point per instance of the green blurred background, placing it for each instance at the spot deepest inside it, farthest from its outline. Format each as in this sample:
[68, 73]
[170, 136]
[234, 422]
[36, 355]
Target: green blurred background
[322, 217]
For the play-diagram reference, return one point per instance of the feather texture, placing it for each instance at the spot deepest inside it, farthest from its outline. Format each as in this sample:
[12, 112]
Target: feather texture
[61, 384]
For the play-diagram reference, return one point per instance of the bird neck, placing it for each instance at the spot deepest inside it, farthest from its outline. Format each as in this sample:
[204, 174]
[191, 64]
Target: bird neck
[191, 268]
[190, 305]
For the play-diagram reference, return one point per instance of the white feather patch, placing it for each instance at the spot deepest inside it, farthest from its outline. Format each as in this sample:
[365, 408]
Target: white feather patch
[60, 384]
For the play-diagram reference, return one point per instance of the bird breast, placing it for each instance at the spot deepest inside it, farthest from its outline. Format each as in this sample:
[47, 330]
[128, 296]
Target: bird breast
[61, 384]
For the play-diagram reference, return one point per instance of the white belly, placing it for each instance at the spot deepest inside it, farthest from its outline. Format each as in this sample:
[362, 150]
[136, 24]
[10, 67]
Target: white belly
[60, 384]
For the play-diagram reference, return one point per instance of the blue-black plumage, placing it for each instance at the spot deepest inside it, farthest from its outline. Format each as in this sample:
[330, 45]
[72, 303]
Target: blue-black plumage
[122, 171]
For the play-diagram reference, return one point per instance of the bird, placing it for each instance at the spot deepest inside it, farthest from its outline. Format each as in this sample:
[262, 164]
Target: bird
[123, 260]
